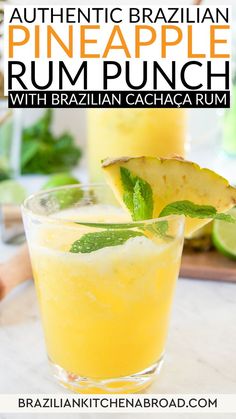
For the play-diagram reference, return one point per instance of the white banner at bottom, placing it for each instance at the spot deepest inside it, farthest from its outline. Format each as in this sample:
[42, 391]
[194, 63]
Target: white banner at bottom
[138, 403]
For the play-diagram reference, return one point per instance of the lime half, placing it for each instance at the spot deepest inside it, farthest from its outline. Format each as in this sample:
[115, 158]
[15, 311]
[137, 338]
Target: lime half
[11, 192]
[224, 236]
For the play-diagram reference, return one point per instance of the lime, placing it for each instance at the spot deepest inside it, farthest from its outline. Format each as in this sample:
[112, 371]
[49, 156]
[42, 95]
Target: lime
[224, 236]
[60, 179]
[64, 197]
[68, 197]
[11, 192]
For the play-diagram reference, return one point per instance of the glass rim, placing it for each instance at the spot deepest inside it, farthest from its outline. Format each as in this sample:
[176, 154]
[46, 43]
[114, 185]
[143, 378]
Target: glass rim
[51, 219]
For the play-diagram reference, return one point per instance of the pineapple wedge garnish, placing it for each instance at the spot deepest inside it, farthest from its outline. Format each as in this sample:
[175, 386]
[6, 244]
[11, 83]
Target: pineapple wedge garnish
[171, 180]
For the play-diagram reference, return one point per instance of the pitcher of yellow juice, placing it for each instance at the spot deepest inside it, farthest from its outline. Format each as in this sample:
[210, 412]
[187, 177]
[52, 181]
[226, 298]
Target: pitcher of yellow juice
[133, 132]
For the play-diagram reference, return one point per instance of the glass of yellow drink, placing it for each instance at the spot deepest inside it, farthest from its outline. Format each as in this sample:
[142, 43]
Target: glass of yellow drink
[134, 132]
[105, 286]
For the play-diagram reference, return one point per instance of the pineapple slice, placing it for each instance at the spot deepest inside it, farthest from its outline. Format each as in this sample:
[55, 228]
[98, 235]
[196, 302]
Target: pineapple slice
[171, 180]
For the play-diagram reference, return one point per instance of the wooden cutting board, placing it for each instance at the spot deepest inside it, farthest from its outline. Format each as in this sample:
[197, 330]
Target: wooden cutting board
[207, 265]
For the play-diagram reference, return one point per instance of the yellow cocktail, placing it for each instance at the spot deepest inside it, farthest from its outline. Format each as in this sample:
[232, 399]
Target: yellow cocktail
[134, 132]
[105, 310]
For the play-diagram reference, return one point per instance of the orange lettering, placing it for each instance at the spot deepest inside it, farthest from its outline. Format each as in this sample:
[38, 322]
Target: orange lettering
[13, 43]
[123, 45]
[138, 42]
[214, 41]
[166, 43]
[190, 45]
[52, 34]
[84, 41]
[37, 42]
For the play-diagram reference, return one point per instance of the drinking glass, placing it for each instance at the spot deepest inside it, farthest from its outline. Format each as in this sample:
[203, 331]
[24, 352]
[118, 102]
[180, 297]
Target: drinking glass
[134, 132]
[105, 286]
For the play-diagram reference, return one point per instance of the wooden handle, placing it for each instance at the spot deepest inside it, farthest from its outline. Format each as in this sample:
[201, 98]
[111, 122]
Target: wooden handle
[11, 213]
[15, 271]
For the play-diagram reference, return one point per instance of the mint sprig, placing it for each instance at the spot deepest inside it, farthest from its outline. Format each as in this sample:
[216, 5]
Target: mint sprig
[138, 198]
[91, 242]
[189, 209]
[112, 226]
[137, 195]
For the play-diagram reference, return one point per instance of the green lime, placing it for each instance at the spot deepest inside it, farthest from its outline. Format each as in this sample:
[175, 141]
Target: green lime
[68, 197]
[224, 236]
[11, 192]
[60, 179]
[64, 197]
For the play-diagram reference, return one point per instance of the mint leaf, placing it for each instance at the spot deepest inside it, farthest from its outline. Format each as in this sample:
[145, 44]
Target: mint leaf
[91, 242]
[111, 226]
[225, 217]
[128, 183]
[137, 195]
[142, 209]
[162, 228]
[159, 228]
[189, 209]
[43, 152]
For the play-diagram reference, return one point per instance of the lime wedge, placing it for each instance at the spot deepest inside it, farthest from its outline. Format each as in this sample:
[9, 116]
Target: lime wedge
[60, 179]
[11, 192]
[224, 236]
